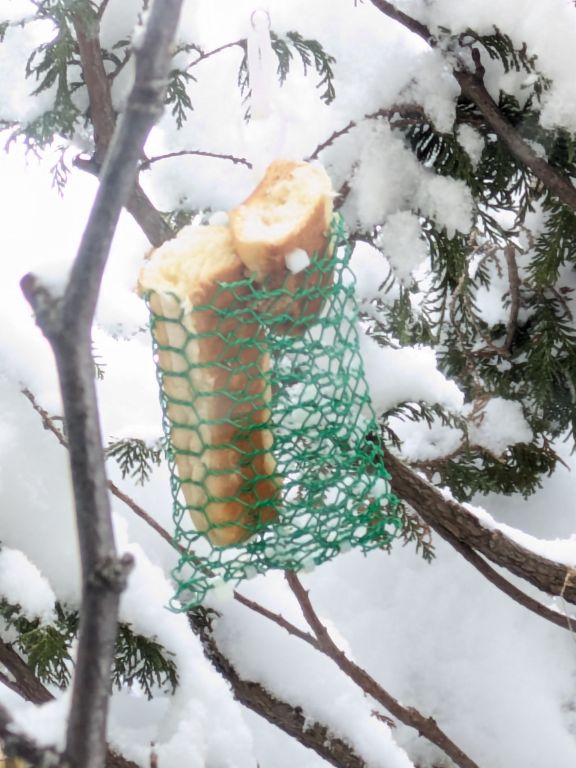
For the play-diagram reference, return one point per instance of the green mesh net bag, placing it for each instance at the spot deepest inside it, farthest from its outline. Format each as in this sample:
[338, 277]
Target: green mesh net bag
[272, 441]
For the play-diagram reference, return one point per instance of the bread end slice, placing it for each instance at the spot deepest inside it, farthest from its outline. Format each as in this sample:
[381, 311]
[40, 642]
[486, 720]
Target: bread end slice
[290, 210]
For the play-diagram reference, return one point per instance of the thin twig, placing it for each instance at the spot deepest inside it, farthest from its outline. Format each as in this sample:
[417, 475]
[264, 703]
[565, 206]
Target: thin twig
[277, 619]
[49, 424]
[514, 283]
[411, 112]
[426, 726]
[407, 21]
[203, 55]
[198, 152]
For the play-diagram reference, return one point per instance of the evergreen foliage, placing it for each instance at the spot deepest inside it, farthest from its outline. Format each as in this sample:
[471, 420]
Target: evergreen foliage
[135, 458]
[140, 661]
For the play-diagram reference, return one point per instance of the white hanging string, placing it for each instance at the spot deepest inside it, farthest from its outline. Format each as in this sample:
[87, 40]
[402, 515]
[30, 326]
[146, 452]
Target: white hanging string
[265, 132]
[260, 64]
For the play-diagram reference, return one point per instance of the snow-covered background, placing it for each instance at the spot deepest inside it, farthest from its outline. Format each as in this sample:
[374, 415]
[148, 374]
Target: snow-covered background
[500, 681]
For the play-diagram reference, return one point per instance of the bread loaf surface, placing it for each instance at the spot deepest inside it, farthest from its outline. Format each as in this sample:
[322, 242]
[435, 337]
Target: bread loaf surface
[214, 363]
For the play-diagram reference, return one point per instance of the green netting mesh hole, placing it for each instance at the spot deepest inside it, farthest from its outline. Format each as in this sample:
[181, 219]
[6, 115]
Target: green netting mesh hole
[289, 386]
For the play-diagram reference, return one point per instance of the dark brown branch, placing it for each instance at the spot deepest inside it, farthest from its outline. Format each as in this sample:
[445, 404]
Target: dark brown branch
[514, 283]
[448, 517]
[27, 684]
[473, 88]
[7, 682]
[426, 726]
[66, 322]
[102, 115]
[407, 21]
[30, 688]
[292, 720]
[197, 152]
[506, 586]
[103, 118]
[277, 619]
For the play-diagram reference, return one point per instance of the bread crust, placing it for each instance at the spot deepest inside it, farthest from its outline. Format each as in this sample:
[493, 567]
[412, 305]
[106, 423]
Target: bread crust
[291, 208]
[216, 386]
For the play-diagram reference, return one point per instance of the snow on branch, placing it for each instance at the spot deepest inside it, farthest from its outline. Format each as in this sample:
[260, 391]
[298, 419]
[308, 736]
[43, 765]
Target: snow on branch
[473, 88]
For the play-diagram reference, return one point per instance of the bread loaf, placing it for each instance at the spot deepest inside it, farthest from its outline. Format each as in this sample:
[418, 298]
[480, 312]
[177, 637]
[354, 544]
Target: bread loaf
[215, 383]
[289, 211]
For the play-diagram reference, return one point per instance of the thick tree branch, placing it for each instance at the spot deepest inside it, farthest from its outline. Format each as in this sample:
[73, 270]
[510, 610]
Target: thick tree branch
[448, 517]
[505, 586]
[426, 726]
[473, 88]
[26, 683]
[66, 321]
[292, 720]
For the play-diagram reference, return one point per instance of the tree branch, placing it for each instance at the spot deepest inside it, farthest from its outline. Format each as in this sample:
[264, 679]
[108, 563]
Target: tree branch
[30, 688]
[560, 620]
[448, 517]
[426, 726]
[49, 424]
[103, 118]
[292, 720]
[407, 21]
[514, 283]
[199, 153]
[27, 684]
[473, 88]
[408, 111]
[66, 321]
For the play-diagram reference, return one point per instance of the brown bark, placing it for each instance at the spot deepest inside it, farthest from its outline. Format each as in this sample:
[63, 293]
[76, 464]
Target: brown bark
[447, 516]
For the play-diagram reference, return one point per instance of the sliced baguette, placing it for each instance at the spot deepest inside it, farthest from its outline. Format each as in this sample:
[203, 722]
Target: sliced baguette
[216, 385]
[290, 209]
